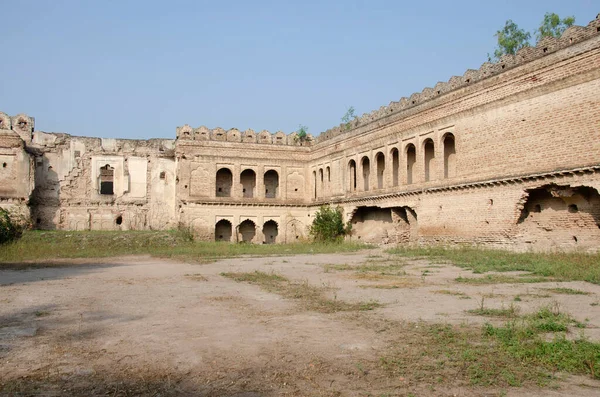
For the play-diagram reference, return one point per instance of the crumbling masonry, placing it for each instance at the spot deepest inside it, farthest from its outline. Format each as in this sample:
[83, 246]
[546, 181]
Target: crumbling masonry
[504, 156]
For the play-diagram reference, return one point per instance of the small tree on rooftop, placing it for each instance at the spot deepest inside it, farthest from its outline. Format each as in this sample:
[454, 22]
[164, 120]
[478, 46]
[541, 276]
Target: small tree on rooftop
[302, 134]
[510, 39]
[553, 26]
[328, 225]
[348, 117]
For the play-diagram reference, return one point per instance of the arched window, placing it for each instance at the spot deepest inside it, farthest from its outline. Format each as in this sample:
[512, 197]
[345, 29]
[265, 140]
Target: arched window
[107, 175]
[429, 157]
[248, 182]
[223, 230]
[271, 184]
[224, 182]
[411, 160]
[380, 160]
[449, 156]
[366, 172]
[352, 176]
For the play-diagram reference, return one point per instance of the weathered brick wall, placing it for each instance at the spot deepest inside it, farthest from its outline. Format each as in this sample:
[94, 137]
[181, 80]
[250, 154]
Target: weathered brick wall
[468, 161]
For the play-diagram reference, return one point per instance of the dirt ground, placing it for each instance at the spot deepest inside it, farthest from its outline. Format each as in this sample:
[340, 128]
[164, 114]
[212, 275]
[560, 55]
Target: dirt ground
[147, 326]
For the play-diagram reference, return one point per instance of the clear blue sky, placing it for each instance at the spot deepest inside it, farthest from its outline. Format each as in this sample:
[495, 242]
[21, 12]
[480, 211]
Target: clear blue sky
[138, 69]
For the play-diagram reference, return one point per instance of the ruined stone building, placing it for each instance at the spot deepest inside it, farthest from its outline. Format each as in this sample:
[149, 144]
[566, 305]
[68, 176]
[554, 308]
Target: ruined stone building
[507, 155]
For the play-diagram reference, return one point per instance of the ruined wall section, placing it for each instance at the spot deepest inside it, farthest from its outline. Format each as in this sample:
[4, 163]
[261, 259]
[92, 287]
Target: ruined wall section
[102, 184]
[16, 169]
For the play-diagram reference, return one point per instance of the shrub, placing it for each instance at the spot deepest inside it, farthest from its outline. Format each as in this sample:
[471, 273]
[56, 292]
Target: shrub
[328, 225]
[8, 230]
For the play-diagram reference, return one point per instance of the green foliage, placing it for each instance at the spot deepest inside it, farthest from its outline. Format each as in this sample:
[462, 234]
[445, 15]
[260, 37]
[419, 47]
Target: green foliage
[348, 117]
[553, 26]
[511, 39]
[328, 225]
[558, 266]
[8, 230]
[302, 133]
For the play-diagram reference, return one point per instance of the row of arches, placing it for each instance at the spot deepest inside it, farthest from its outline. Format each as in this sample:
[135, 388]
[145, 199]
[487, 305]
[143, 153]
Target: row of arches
[322, 181]
[246, 231]
[410, 158]
[224, 183]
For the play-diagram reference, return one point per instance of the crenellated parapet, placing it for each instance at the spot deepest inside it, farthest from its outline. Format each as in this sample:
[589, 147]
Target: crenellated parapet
[546, 46]
[264, 137]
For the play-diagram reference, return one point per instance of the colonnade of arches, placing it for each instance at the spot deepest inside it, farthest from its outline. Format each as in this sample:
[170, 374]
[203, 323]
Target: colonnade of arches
[359, 176]
[245, 232]
[248, 185]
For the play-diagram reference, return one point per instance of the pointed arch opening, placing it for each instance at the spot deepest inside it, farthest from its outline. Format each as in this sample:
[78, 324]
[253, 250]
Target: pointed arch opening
[380, 161]
[366, 172]
[411, 160]
[271, 179]
[321, 182]
[247, 231]
[395, 166]
[314, 174]
[248, 182]
[429, 157]
[270, 231]
[449, 156]
[223, 230]
[224, 181]
[352, 176]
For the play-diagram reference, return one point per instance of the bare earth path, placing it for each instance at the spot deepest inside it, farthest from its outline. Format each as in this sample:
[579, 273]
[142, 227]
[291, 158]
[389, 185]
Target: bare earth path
[147, 326]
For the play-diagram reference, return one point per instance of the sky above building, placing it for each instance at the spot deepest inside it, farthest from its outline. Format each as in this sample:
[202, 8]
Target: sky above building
[138, 69]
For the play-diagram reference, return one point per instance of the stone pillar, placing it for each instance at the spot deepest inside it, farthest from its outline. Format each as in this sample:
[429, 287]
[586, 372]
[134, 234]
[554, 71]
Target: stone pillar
[260, 182]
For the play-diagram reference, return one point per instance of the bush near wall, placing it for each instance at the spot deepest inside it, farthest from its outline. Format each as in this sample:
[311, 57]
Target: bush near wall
[8, 230]
[328, 225]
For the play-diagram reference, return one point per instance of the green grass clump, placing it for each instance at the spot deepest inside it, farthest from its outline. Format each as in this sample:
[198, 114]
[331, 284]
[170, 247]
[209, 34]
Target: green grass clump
[52, 245]
[514, 354]
[311, 297]
[523, 340]
[511, 311]
[559, 266]
[500, 279]
[567, 291]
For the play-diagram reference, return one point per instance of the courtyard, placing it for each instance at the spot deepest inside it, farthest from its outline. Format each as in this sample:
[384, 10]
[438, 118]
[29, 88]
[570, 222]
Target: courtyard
[372, 322]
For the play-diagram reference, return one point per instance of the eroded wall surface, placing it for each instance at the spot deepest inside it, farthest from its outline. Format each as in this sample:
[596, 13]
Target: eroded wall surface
[504, 156]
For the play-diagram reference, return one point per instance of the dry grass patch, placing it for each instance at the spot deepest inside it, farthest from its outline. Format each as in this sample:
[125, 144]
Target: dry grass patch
[311, 297]
[196, 277]
[459, 294]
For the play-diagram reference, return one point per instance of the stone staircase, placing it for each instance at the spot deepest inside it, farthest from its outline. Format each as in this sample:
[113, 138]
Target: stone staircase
[73, 174]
